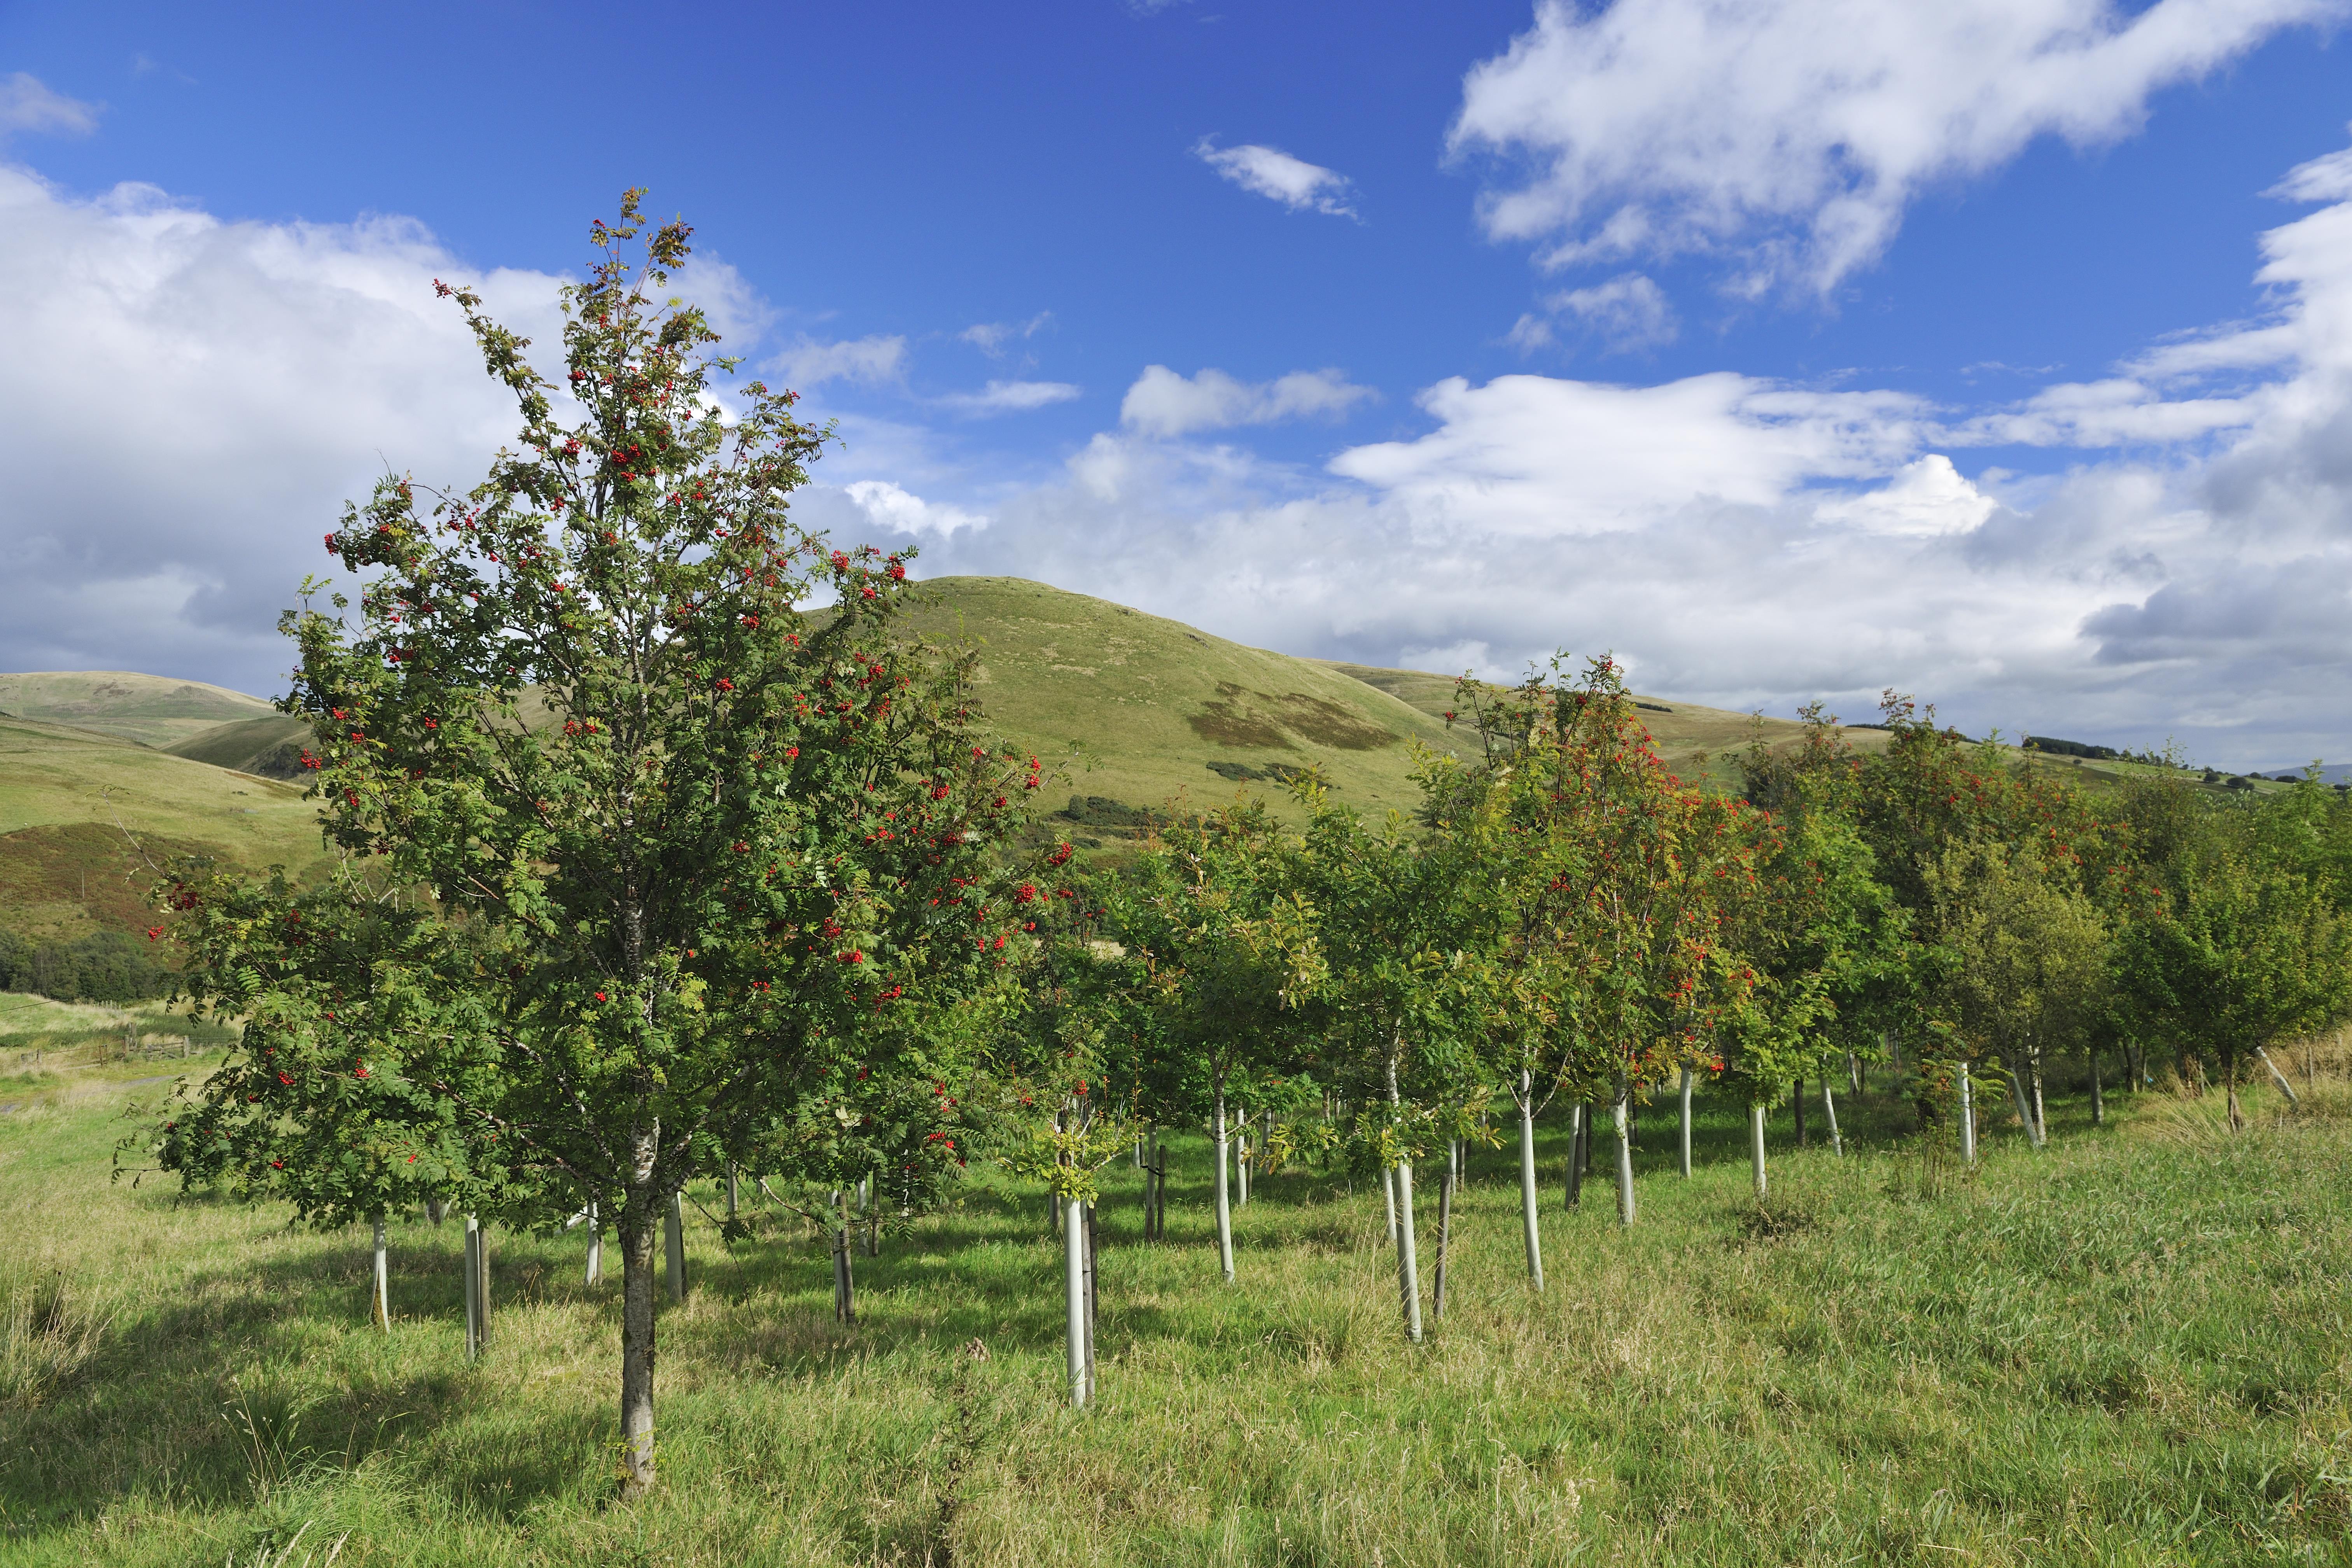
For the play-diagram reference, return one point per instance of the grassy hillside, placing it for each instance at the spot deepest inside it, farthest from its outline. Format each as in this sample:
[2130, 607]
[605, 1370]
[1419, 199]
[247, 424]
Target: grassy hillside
[151, 710]
[2127, 1349]
[82, 815]
[1143, 712]
[271, 747]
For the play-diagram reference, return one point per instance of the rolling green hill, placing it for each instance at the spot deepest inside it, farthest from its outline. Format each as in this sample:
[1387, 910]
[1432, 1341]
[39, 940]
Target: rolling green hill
[1142, 715]
[151, 710]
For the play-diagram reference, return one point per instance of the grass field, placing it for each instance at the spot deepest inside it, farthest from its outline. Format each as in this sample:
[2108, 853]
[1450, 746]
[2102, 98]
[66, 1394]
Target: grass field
[2130, 1349]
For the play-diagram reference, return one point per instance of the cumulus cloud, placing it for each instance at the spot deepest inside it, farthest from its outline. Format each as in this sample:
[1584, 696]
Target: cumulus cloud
[189, 402]
[891, 510]
[1270, 173]
[1742, 542]
[1010, 397]
[28, 104]
[808, 363]
[1793, 133]
[1162, 402]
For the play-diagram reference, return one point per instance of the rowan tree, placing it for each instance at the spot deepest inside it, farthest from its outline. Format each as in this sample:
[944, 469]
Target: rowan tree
[713, 836]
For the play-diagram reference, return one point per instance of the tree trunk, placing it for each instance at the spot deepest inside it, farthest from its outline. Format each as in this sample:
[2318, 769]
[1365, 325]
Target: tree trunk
[2135, 1062]
[733, 1196]
[1968, 1118]
[1074, 1249]
[1684, 1124]
[1797, 1103]
[1584, 1141]
[1224, 1199]
[379, 1304]
[1756, 1145]
[636, 1345]
[1853, 1073]
[674, 1247]
[2041, 1114]
[1408, 1272]
[595, 1245]
[2237, 1121]
[1527, 1204]
[845, 1278]
[1829, 1113]
[1624, 1117]
[2099, 1100]
[1445, 1225]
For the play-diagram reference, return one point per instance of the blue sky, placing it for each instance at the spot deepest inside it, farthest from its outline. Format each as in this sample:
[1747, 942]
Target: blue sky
[1796, 348]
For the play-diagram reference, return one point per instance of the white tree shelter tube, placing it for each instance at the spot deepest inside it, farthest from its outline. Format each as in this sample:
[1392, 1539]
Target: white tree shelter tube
[1685, 1124]
[1240, 1159]
[1388, 1196]
[1968, 1118]
[595, 1246]
[674, 1247]
[380, 1305]
[2277, 1078]
[1074, 1251]
[1224, 1198]
[1756, 1144]
[1624, 1109]
[477, 1307]
[1829, 1109]
[1527, 1204]
[2025, 1111]
[1408, 1272]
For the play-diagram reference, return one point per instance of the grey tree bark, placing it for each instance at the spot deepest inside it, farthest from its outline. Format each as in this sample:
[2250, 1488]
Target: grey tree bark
[637, 1345]
[1527, 1204]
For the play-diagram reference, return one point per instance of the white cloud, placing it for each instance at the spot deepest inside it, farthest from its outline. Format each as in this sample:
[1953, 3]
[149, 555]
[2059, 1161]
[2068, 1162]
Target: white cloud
[808, 363]
[1010, 397]
[1162, 402]
[189, 402]
[1270, 172]
[990, 337]
[28, 104]
[1793, 133]
[892, 510]
[1746, 543]
[1925, 497]
[1629, 311]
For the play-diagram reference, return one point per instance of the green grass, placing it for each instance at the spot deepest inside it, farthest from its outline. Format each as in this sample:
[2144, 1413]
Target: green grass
[151, 709]
[2130, 1349]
